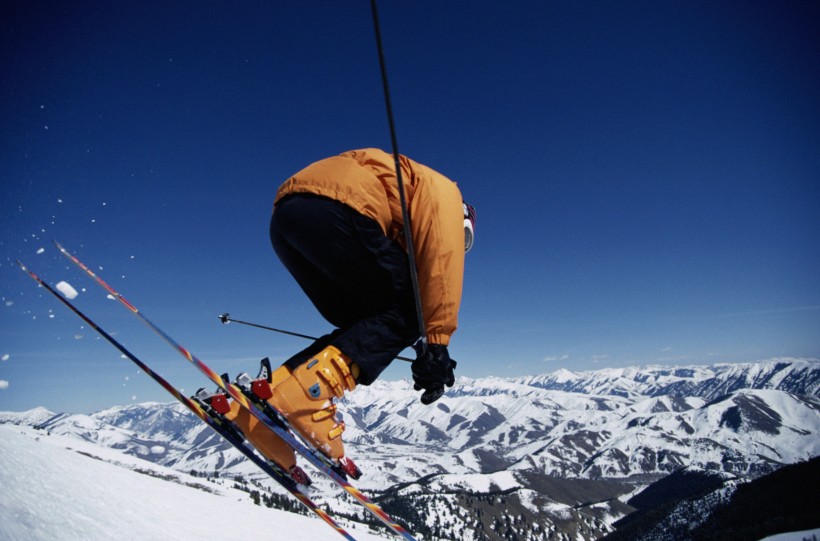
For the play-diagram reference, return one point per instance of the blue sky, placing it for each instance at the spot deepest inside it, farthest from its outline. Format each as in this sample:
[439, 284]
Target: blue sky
[646, 176]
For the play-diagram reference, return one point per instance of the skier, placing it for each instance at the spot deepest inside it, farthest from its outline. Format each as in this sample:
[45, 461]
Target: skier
[337, 226]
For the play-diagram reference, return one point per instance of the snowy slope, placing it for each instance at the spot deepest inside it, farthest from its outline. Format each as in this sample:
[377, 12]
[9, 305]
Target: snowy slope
[795, 536]
[54, 488]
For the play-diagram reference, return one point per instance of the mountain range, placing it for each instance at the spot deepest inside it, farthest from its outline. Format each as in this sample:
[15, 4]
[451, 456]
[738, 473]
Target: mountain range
[556, 456]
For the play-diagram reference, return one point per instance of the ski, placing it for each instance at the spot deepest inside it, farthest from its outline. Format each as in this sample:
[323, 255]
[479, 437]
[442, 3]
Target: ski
[271, 418]
[220, 425]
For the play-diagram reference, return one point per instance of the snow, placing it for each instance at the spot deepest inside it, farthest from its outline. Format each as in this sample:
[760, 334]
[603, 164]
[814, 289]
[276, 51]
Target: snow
[31, 417]
[795, 536]
[56, 487]
[478, 483]
[67, 289]
[563, 375]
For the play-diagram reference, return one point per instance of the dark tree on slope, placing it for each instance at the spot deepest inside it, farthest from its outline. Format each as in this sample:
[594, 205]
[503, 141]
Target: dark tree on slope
[784, 501]
[659, 499]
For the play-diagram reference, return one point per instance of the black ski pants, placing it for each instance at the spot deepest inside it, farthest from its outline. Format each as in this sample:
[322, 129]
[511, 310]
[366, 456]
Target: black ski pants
[357, 278]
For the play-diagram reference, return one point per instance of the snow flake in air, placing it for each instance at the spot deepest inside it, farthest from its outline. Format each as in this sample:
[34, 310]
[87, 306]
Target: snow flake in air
[66, 289]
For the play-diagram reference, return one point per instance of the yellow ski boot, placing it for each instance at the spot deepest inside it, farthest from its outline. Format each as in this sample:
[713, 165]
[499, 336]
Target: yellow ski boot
[263, 439]
[305, 397]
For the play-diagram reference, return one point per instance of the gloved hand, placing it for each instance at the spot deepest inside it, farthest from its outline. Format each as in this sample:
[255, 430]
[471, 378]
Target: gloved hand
[432, 370]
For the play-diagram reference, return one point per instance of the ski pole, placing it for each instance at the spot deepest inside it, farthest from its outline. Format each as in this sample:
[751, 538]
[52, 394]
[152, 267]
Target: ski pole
[405, 214]
[226, 318]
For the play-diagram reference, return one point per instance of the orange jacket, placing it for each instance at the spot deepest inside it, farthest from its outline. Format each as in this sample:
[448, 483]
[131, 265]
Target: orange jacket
[365, 180]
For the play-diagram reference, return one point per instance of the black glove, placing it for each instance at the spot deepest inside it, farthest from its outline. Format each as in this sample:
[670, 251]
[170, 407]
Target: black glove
[432, 371]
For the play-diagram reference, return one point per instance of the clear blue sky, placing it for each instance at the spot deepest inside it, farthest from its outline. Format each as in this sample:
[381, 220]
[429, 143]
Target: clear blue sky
[646, 175]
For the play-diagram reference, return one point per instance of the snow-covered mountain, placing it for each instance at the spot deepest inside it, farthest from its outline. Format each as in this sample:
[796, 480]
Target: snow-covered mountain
[498, 424]
[28, 418]
[558, 453]
[494, 424]
[708, 382]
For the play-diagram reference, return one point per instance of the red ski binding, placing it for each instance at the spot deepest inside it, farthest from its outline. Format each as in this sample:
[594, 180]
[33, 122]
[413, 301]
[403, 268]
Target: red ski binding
[261, 389]
[219, 402]
[350, 468]
[299, 476]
